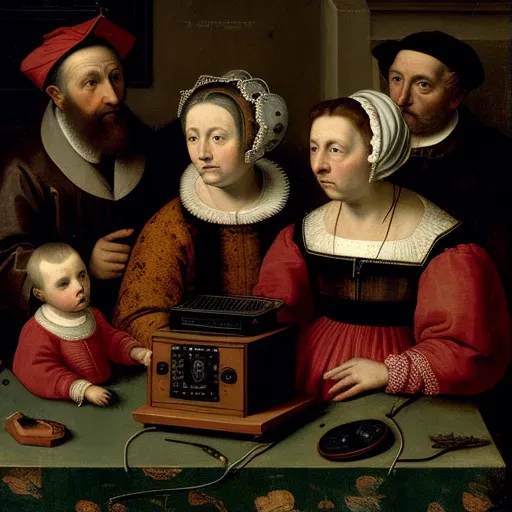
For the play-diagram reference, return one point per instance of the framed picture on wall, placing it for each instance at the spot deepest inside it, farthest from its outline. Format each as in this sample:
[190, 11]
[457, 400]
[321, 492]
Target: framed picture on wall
[23, 24]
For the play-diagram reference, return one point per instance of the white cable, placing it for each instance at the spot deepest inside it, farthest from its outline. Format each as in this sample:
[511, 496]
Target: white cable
[155, 492]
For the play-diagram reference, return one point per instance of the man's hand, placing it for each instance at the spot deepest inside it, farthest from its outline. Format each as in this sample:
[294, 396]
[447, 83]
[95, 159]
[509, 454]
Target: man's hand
[98, 395]
[141, 355]
[356, 376]
[108, 258]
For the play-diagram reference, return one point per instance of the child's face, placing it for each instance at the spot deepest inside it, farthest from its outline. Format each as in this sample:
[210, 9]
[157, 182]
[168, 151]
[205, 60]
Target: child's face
[66, 285]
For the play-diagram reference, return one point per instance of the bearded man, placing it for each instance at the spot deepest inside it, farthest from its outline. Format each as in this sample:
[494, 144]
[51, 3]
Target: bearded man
[83, 177]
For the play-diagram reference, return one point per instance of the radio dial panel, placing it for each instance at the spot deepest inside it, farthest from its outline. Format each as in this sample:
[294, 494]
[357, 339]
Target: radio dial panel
[195, 373]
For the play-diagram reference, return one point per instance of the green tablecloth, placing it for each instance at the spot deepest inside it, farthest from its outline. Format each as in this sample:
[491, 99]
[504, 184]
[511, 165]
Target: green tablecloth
[82, 474]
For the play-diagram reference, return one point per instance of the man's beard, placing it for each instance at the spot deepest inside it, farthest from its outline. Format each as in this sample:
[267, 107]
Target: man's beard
[105, 132]
[426, 124]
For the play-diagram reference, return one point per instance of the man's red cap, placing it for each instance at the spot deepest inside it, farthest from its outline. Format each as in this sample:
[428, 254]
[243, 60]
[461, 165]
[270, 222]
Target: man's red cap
[38, 63]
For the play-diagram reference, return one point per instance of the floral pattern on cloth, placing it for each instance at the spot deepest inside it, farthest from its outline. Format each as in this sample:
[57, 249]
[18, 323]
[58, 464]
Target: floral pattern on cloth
[276, 501]
[476, 503]
[435, 507]
[367, 486]
[90, 506]
[326, 505]
[87, 506]
[369, 501]
[477, 499]
[26, 481]
[480, 491]
[487, 492]
[117, 507]
[161, 473]
[197, 498]
[362, 504]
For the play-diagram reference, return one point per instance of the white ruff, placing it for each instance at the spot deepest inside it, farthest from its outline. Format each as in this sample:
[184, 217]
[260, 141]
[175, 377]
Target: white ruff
[63, 321]
[76, 332]
[273, 197]
[413, 249]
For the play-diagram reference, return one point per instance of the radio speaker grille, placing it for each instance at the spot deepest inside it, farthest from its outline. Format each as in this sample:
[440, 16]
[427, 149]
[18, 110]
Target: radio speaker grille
[230, 314]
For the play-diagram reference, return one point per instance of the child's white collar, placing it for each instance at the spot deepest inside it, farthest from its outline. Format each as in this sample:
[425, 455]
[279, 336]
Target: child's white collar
[56, 318]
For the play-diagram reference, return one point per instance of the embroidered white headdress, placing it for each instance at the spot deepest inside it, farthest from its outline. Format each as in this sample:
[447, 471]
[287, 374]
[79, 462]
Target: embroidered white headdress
[268, 110]
[391, 141]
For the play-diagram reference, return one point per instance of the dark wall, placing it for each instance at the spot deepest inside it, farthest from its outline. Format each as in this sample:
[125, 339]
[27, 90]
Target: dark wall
[276, 40]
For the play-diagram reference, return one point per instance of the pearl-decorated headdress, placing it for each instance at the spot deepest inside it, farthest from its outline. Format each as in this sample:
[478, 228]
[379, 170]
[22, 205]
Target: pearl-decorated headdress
[269, 111]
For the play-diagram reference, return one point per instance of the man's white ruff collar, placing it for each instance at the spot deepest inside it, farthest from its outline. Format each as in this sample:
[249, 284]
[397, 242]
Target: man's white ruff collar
[419, 141]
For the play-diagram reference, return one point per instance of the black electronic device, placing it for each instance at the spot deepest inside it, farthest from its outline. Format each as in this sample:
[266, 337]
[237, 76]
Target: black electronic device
[226, 315]
[356, 440]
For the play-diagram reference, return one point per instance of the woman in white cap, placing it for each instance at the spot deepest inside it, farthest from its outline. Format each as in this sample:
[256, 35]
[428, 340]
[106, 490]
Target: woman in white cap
[386, 286]
[212, 238]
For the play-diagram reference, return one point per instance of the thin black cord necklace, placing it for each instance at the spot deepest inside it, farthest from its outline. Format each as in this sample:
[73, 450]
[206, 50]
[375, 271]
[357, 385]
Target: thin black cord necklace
[336, 229]
[392, 209]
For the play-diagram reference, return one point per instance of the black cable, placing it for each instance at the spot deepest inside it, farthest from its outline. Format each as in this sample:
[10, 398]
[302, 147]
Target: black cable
[431, 457]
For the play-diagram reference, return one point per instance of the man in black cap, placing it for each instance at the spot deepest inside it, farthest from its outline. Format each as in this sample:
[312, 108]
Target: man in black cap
[457, 162]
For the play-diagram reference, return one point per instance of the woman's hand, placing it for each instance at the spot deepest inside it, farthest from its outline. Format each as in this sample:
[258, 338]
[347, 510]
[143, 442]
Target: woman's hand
[356, 376]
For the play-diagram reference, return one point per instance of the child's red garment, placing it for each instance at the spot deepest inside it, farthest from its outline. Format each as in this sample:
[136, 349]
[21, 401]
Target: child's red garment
[49, 357]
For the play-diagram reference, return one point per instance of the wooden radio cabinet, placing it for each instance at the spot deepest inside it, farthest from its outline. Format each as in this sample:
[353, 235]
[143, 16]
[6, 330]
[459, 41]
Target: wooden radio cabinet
[233, 383]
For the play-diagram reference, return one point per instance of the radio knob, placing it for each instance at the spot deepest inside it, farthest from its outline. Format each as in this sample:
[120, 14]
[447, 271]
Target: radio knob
[229, 376]
[162, 368]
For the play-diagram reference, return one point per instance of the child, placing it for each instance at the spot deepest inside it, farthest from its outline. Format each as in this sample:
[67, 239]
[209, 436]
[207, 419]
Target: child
[64, 350]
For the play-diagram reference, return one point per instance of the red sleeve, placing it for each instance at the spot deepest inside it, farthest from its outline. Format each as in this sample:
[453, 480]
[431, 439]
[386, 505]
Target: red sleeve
[283, 275]
[461, 325]
[38, 365]
[118, 343]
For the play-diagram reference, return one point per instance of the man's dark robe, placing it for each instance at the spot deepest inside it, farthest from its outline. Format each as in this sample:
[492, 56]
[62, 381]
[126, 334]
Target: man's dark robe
[466, 175]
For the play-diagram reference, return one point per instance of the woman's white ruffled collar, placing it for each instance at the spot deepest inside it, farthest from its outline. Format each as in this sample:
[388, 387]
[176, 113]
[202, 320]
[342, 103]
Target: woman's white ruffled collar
[274, 195]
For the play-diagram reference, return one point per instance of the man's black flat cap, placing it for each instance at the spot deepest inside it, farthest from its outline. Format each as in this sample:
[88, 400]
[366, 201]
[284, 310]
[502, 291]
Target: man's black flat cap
[453, 53]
